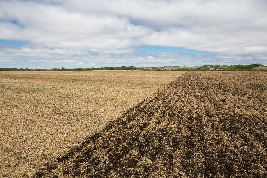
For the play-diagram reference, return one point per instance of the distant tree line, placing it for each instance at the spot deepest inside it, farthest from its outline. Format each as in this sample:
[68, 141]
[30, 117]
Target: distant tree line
[230, 68]
[239, 67]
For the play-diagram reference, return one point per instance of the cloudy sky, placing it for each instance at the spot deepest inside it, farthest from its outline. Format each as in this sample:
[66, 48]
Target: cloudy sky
[94, 33]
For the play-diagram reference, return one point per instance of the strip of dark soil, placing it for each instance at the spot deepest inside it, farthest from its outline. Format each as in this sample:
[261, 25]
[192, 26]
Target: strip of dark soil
[201, 125]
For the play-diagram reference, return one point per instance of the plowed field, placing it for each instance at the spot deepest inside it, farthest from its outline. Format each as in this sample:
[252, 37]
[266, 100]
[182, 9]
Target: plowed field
[200, 125]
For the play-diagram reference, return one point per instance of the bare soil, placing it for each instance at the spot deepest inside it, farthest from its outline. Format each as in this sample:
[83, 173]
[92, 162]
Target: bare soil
[210, 124]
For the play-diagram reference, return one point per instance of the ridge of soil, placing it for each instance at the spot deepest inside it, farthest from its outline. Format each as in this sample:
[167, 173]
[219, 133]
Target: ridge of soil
[200, 125]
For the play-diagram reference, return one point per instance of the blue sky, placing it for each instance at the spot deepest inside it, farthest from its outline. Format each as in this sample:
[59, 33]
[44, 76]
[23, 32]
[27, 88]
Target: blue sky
[12, 44]
[15, 22]
[94, 33]
[155, 50]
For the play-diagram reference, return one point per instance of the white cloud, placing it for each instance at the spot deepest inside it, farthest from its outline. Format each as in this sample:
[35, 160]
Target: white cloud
[226, 27]
[57, 27]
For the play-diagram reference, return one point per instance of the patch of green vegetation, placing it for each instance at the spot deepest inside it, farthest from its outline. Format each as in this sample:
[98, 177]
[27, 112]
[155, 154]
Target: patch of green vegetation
[260, 68]
[37, 89]
[93, 90]
[72, 79]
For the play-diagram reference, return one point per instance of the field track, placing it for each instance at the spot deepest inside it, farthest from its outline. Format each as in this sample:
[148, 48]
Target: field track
[200, 125]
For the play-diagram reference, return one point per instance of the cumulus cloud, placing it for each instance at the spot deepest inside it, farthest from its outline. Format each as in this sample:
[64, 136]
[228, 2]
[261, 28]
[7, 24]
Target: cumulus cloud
[54, 26]
[227, 28]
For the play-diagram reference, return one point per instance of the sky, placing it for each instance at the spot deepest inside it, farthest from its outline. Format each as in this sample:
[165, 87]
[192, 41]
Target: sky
[99, 33]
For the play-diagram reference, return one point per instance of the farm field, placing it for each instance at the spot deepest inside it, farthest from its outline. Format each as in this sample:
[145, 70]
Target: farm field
[203, 124]
[44, 114]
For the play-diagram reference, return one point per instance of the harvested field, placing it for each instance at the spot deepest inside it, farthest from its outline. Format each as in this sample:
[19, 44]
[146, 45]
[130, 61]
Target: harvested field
[44, 114]
[200, 125]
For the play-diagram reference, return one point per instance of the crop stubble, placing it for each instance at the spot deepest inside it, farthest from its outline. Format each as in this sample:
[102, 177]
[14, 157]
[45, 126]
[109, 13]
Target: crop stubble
[44, 114]
[200, 125]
